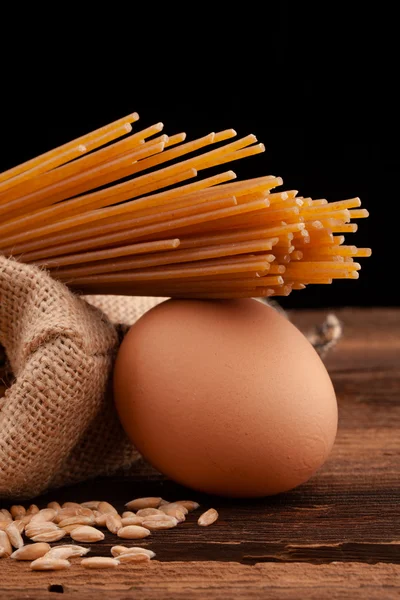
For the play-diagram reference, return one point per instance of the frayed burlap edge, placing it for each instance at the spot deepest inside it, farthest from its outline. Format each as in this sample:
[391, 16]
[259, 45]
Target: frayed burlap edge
[58, 424]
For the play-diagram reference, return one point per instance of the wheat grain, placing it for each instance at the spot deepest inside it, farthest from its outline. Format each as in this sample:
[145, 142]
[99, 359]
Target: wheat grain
[100, 519]
[91, 504]
[17, 511]
[164, 523]
[128, 513]
[80, 519]
[32, 530]
[87, 534]
[113, 523]
[32, 510]
[49, 564]
[65, 513]
[49, 536]
[99, 562]
[173, 505]
[20, 525]
[158, 518]
[168, 508]
[128, 557]
[133, 532]
[208, 518]
[26, 519]
[106, 507]
[138, 503]
[31, 552]
[46, 514]
[86, 512]
[14, 536]
[67, 551]
[175, 510]
[188, 504]
[116, 551]
[54, 522]
[69, 528]
[131, 521]
[5, 544]
[6, 515]
[146, 512]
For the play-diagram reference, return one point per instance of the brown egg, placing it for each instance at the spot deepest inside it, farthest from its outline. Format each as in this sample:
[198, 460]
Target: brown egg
[226, 397]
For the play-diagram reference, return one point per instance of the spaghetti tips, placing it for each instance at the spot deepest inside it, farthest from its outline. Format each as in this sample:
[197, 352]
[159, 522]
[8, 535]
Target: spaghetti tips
[113, 213]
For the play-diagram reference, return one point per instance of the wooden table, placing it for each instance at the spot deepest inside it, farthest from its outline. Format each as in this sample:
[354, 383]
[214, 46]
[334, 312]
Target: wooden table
[337, 536]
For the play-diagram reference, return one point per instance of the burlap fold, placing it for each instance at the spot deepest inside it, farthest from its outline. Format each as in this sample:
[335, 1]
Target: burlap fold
[58, 424]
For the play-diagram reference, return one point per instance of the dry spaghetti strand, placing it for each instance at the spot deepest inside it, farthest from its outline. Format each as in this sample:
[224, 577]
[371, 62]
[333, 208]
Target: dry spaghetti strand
[120, 216]
[59, 155]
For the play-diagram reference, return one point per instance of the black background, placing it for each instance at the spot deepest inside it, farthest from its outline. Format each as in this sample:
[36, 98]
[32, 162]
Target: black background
[317, 85]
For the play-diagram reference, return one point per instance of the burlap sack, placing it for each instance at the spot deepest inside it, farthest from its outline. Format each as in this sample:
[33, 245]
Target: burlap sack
[58, 424]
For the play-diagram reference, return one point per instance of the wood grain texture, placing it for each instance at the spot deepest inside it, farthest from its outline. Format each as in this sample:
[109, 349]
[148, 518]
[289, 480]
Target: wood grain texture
[337, 536]
[211, 580]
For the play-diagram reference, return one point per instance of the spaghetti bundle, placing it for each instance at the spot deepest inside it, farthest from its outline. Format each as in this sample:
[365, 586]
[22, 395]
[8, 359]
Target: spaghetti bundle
[111, 213]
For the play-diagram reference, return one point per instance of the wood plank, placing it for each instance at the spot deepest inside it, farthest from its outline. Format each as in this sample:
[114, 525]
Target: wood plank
[187, 580]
